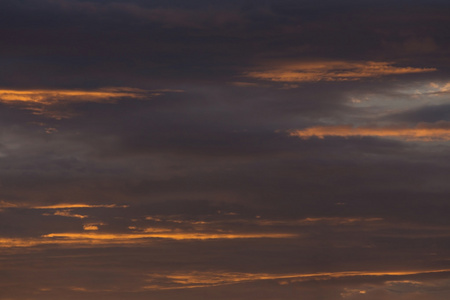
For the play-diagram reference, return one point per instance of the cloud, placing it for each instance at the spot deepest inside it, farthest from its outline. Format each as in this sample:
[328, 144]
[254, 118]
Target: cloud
[5, 204]
[440, 88]
[188, 280]
[351, 292]
[331, 71]
[424, 132]
[93, 227]
[266, 222]
[91, 237]
[53, 103]
[162, 235]
[76, 205]
[171, 17]
[333, 221]
[68, 213]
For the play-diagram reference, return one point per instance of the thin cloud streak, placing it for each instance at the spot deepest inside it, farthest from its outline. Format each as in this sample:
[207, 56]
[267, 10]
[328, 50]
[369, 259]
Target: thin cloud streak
[69, 206]
[423, 132]
[4, 204]
[331, 71]
[191, 280]
[47, 97]
[49, 102]
[94, 238]
[69, 214]
[172, 236]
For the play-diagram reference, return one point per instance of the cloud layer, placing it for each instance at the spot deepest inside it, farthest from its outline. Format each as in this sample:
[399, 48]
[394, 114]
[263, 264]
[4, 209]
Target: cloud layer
[224, 150]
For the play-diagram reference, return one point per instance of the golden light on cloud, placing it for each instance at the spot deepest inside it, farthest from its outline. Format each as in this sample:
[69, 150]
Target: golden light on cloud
[188, 280]
[78, 205]
[166, 235]
[425, 132]
[92, 226]
[4, 204]
[42, 241]
[48, 102]
[258, 221]
[330, 71]
[92, 237]
[334, 221]
[68, 213]
[51, 96]
[19, 242]
[443, 88]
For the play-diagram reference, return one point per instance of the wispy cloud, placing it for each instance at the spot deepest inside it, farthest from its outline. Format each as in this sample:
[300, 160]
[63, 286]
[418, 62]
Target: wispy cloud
[4, 204]
[78, 205]
[424, 132]
[166, 235]
[316, 220]
[92, 237]
[330, 71]
[188, 280]
[90, 227]
[50, 103]
[68, 213]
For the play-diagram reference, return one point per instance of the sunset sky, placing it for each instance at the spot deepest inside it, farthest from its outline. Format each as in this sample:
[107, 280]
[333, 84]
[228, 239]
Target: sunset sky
[224, 150]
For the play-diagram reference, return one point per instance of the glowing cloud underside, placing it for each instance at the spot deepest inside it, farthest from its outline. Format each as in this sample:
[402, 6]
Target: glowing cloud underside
[4, 204]
[171, 235]
[331, 71]
[50, 102]
[190, 280]
[70, 206]
[48, 97]
[90, 238]
[424, 132]
[69, 214]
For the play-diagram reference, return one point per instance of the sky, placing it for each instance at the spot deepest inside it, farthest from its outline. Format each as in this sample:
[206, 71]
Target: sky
[205, 149]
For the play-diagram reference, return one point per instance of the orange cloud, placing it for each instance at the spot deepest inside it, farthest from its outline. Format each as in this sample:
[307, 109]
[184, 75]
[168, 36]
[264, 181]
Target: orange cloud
[68, 213]
[18, 242]
[91, 237]
[331, 71]
[47, 97]
[325, 220]
[93, 226]
[90, 227]
[189, 280]
[49, 102]
[437, 89]
[424, 132]
[165, 235]
[4, 204]
[77, 205]
[42, 241]
[257, 221]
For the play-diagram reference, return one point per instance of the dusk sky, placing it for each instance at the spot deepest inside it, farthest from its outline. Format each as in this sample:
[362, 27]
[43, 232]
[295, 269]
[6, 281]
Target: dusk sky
[224, 150]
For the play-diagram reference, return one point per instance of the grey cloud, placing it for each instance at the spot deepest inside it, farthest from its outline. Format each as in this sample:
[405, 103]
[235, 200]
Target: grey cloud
[431, 113]
[217, 159]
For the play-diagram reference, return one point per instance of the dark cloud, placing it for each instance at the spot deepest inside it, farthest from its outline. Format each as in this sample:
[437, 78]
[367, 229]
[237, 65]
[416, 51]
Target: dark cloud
[53, 43]
[431, 113]
[146, 150]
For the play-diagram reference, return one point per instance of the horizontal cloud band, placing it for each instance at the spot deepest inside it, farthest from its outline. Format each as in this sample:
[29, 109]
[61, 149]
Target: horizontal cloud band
[424, 132]
[209, 279]
[330, 71]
